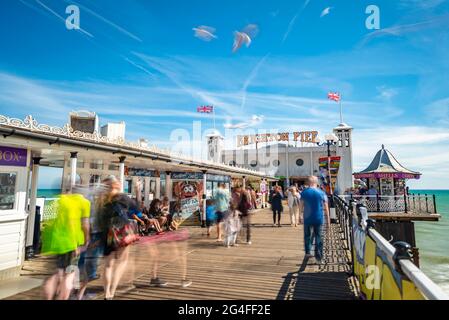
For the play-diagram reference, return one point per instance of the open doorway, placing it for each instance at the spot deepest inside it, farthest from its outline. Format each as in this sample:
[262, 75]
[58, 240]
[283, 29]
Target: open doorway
[49, 182]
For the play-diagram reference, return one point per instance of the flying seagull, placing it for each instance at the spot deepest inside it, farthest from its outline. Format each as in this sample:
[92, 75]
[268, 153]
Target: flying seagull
[325, 12]
[205, 33]
[244, 37]
[245, 124]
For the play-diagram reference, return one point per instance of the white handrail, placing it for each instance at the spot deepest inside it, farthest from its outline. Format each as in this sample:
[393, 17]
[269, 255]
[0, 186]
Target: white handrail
[426, 286]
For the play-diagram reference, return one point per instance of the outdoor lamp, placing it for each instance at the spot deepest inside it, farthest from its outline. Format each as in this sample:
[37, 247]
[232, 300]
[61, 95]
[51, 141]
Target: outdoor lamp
[329, 140]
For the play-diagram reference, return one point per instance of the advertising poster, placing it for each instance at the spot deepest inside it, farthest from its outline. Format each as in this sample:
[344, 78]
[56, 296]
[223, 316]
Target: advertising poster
[189, 195]
[327, 178]
[263, 187]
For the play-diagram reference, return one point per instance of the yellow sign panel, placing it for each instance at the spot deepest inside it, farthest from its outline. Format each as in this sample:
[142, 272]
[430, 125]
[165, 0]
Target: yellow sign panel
[378, 279]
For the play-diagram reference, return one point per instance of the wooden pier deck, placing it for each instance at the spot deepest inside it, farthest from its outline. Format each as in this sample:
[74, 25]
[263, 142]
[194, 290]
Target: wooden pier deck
[273, 267]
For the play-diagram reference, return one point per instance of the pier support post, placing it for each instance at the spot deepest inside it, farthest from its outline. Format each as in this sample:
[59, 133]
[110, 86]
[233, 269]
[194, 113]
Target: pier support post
[121, 170]
[168, 185]
[146, 188]
[405, 202]
[203, 214]
[32, 209]
[158, 188]
[73, 167]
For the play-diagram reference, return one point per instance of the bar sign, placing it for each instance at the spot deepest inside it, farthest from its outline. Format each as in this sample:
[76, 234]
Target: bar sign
[13, 157]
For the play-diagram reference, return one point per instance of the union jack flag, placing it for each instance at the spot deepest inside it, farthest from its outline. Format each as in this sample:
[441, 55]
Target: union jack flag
[205, 109]
[335, 96]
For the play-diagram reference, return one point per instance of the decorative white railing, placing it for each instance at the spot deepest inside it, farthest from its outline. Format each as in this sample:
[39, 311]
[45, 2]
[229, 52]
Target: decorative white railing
[31, 124]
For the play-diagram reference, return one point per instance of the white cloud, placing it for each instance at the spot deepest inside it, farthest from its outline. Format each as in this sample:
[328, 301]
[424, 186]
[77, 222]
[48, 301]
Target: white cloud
[292, 22]
[408, 28]
[420, 4]
[386, 93]
[438, 111]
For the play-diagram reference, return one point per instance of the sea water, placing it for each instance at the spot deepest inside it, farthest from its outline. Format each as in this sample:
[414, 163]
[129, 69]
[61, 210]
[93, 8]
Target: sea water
[432, 239]
[48, 193]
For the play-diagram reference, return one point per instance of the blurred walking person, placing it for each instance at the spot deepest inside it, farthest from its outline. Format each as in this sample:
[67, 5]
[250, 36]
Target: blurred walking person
[232, 227]
[88, 262]
[244, 208]
[314, 205]
[119, 232]
[221, 200]
[293, 205]
[276, 205]
[253, 197]
[66, 237]
[236, 196]
[210, 215]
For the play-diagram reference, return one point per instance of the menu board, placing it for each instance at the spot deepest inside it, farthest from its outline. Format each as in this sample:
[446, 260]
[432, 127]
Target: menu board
[189, 207]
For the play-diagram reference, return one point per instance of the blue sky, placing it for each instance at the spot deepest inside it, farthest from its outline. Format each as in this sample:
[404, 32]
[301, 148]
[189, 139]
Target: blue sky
[139, 61]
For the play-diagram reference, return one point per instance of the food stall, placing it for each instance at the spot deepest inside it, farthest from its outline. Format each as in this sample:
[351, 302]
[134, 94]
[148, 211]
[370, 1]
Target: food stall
[386, 175]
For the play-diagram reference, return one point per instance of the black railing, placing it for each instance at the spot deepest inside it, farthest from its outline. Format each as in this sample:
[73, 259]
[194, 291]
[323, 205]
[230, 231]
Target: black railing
[344, 214]
[353, 219]
[412, 203]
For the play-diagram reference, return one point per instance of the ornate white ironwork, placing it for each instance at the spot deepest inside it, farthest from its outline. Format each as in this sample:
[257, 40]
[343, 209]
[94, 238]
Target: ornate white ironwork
[31, 124]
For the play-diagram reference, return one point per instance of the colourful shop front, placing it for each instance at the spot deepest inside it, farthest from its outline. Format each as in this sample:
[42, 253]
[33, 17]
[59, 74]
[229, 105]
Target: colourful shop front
[386, 175]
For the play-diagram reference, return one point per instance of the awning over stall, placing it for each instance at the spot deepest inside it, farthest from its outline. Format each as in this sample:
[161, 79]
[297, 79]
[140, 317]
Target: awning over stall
[385, 165]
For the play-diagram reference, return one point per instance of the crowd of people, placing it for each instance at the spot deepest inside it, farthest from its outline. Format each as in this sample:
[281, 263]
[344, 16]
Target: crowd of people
[308, 205]
[101, 222]
[105, 222]
[229, 212]
[361, 190]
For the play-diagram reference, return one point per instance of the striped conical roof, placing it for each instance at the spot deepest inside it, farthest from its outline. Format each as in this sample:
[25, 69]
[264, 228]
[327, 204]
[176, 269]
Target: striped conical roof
[385, 162]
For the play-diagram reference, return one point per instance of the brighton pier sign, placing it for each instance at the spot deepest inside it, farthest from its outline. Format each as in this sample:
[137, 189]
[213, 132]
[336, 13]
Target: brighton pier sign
[303, 136]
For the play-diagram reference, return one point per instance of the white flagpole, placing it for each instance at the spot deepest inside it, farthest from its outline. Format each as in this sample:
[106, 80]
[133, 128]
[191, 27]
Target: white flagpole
[341, 112]
[213, 111]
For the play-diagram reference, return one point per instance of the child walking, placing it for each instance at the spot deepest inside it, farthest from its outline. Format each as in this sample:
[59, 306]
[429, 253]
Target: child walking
[210, 215]
[232, 227]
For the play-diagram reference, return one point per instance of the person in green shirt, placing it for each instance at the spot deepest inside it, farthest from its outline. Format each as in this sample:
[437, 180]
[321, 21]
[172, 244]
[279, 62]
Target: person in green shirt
[66, 237]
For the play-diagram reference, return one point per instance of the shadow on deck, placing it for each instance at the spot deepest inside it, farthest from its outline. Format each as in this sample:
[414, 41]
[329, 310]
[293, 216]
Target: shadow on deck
[329, 281]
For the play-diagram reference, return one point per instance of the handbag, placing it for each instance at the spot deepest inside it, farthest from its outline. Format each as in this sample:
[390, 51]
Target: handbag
[121, 237]
[121, 233]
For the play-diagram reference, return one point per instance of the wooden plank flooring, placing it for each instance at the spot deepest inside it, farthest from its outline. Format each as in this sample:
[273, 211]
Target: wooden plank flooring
[273, 267]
